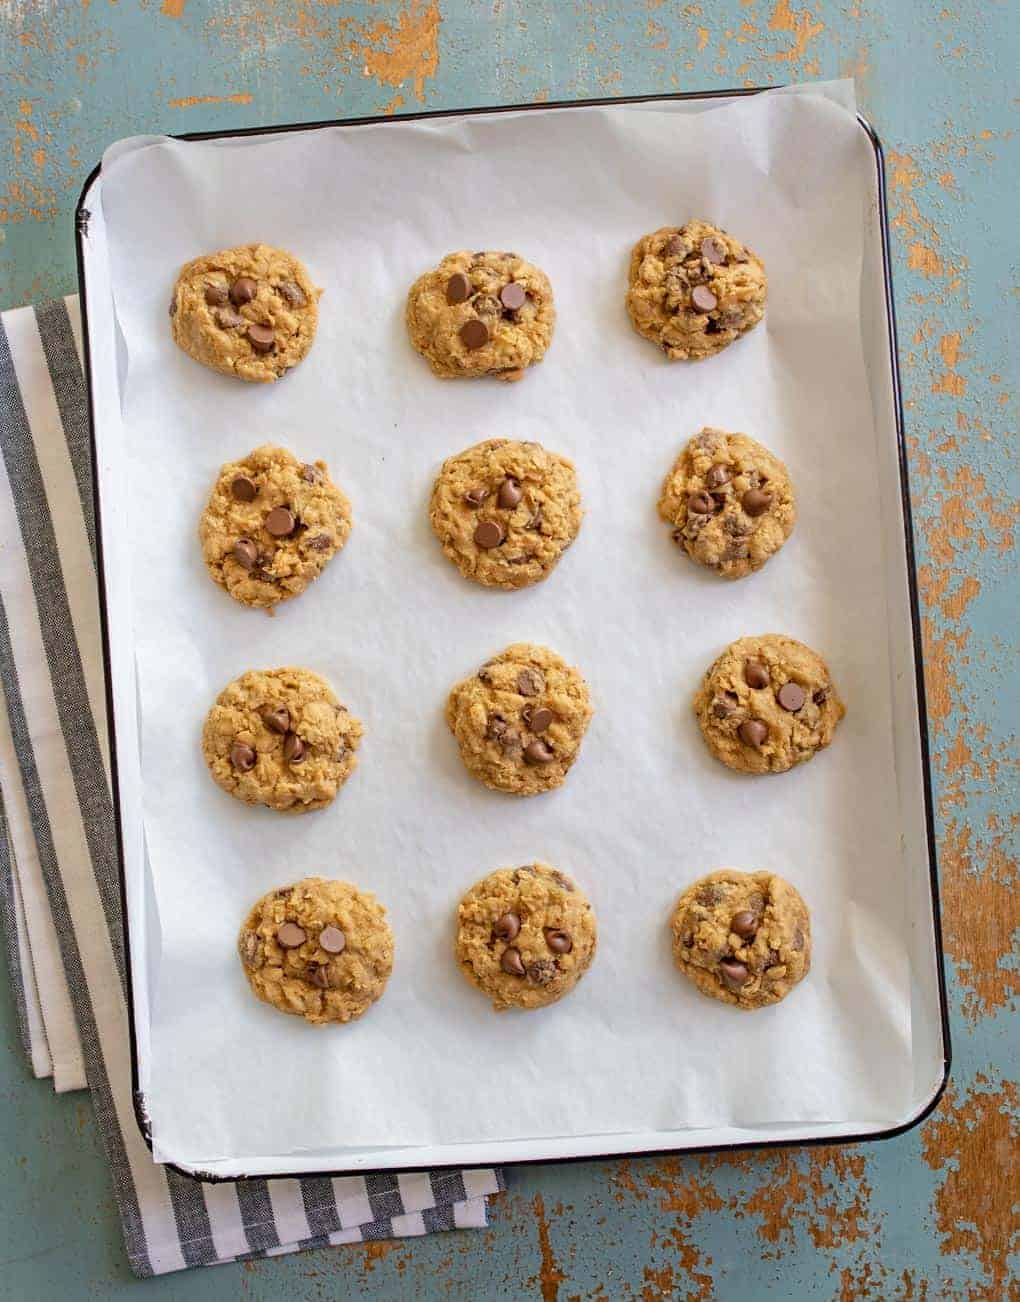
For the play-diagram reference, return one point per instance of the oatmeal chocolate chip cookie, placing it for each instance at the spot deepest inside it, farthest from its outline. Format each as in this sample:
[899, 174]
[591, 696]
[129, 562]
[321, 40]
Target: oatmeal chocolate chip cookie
[694, 289]
[730, 502]
[505, 512]
[766, 704]
[520, 720]
[271, 525]
[481, 314]
[279, 737]
[525, 936]
[744, 938]
[319, 949]
[249, 312]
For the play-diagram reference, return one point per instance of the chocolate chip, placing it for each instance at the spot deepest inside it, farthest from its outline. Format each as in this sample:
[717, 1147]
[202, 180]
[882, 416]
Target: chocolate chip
[243, 489]
[538, 752]
[310, 474]
[172, 309]
[243, 290]
[458, 288]
[755, 674]
[734, 973]
[535, 522]
[291, 293]
[703, 298]
[512, 963]
[798, 939]
[474, 334]
[724, 705]
[712, 250]
[509, 493]
[294, 749]
[700, 504]
[245, 553]
[537, 718]
[476, 496]
[226, 318]
[755, 502]
[752, 732]
[558, 941]
[744, 923]
[242, 756]
[542, 971]
[277, 720]
[322, 542]
[513, 296]
[320, 977]
[506, 927]
[675, 247]
[791, 696]
[495, 727]
[261, 337]
[290, 935]
[216, 295]
[332, 940]
[488, 534]
[530, 682]
[718, 475]
[280, 522]
[821, 696]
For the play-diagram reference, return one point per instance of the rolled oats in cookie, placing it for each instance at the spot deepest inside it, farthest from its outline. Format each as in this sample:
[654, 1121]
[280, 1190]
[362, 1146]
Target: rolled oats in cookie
[319, 949]
[271, 525]
[485, 313]
[520, 720]
[505, 512]
[766, 704]
[250, 312]
[742, 938]
[729, 501]
[525, 936]
[280, 737]
[694, 289]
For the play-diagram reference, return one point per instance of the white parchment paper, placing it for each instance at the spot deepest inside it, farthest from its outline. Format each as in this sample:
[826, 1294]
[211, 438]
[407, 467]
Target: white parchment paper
[392, 625]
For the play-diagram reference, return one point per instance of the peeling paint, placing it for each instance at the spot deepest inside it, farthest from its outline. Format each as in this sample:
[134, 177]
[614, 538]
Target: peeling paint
[926, 1216]
[973, 1142]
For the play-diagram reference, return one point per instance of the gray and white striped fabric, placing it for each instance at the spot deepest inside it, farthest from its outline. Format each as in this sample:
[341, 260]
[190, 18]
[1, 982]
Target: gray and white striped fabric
[59, 891]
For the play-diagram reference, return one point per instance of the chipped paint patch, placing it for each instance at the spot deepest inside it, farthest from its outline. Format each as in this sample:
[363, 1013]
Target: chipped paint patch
[407, 50]
[981, 899]
[190, 101]
[801, 23]
[972, 1140]
[550, 1276]
[173, 8]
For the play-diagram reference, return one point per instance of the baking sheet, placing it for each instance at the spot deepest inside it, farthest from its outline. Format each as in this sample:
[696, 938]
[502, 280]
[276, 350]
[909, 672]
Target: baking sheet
[392, 625]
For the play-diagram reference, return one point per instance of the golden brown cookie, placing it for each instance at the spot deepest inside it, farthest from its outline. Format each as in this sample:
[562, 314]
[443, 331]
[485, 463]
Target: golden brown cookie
[766, 704]
[271, 525]
[730, 503]
[319, 949]
[694, 289]
[520, 720]
[250, 311]
[484, 313]
[743, 938]
[505, 512]
[280, 737]
[525, 936]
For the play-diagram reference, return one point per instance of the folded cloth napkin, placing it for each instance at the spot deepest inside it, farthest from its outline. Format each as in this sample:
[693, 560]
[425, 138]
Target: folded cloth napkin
[60, 905]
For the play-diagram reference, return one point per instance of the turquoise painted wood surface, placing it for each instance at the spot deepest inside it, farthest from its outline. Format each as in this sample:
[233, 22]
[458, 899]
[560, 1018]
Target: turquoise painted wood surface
[932, 1214]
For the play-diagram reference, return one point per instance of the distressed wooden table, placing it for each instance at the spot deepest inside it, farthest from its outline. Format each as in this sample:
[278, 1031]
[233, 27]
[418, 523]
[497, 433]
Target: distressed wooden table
[931, 1214]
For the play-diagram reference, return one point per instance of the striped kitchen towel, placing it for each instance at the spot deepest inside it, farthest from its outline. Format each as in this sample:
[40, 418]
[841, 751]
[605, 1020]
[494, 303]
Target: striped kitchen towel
[59, 890]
